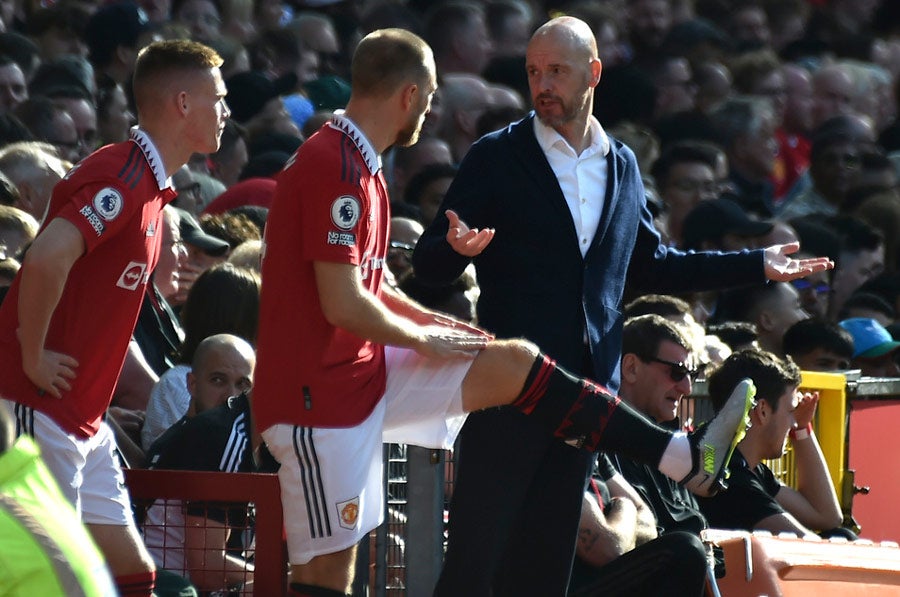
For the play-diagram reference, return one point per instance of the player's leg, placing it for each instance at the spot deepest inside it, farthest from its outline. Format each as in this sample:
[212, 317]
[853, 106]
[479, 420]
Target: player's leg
[588, 416]
[332, 497]
[107, 514]
[127, 558]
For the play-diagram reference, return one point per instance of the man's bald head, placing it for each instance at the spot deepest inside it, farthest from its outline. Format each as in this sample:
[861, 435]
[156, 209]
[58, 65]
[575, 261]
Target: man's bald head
[570, 31]
[220, 342]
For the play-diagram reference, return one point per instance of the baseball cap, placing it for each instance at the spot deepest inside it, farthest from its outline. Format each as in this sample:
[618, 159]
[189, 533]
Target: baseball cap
[114, 25]
[193, 234]
[714, 218]
[252, 191]
[248, 92]
[870, 338]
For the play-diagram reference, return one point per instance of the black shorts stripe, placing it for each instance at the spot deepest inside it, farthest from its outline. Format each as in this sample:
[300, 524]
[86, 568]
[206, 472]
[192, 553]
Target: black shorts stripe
[311, 479]
[129, 163]
[24, 420]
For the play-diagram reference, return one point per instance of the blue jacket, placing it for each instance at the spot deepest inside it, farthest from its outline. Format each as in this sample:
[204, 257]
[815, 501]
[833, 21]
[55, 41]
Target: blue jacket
[534, 282]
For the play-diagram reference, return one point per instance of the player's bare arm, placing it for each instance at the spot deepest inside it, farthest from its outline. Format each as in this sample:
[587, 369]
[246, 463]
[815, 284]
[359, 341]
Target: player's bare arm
[347, 304]
[404, 306]
[49, 260]
[464, 240]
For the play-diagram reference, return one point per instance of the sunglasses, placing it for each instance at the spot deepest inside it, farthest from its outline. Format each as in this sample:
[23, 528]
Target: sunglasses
[678, 371]
[801, 285]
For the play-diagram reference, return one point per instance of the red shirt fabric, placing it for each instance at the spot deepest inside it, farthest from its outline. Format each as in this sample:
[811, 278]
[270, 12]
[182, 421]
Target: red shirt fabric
[115, 198]
[330, 205]
[793, 161]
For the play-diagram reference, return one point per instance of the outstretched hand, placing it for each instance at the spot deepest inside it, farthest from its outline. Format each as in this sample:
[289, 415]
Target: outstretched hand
[782, 268]
[466, 241]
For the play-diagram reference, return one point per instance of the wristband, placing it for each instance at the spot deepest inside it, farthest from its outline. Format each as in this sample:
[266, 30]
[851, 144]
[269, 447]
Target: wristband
[801, 433]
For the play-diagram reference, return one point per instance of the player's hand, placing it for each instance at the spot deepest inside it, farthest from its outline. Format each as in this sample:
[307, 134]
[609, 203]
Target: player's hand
[430, 318]
[781, 268]
[806, 409]
[464, 240]
[52, 372]
[445, 343]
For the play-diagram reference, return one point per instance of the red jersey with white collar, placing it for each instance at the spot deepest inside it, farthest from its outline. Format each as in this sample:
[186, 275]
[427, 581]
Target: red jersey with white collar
[330, 205]
[115, 198]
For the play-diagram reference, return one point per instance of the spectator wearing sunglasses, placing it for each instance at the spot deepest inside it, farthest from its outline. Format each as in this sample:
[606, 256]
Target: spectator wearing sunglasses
[657, 372]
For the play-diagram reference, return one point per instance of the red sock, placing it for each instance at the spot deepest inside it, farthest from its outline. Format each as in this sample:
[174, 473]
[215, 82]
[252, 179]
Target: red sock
[136, 585]
[535, 384]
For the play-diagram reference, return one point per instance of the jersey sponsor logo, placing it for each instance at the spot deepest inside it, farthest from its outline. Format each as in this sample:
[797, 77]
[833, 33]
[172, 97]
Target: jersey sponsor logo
[108, 203]
[344, 239]
[345, 212]
[135, 273]
[348, 513]
[151, 229]
[93, 219]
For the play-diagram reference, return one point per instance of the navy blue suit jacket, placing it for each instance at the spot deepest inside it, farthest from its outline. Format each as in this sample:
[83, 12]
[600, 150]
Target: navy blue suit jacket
[534, 282]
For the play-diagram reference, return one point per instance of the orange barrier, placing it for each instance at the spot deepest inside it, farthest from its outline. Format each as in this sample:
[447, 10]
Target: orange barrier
[270, 576]
[760, 564]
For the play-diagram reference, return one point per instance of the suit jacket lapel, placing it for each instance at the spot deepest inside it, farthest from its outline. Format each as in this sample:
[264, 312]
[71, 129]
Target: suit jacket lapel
[615, 165]
[526, 148]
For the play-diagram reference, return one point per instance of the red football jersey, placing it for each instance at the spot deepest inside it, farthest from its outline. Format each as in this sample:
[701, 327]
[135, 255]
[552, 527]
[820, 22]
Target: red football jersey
[331, 205]
[115, 198]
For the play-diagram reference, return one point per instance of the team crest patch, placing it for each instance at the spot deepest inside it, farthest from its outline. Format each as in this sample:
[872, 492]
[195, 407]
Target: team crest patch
[345, 212]
[348, 513]
[108, 203]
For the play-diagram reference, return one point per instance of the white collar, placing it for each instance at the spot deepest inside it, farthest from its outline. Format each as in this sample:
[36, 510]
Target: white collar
[366, 150]
[151, 154]
[547, 136]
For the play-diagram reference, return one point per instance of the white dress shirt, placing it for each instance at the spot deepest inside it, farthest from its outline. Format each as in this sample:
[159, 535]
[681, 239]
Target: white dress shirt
[582, 178]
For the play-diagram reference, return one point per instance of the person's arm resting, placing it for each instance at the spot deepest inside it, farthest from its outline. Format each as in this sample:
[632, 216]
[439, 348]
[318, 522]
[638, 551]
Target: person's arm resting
[814, 502]
[44, 272]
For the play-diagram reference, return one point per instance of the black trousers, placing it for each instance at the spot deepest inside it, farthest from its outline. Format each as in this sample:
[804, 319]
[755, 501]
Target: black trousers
[673, 565]
[515, 509]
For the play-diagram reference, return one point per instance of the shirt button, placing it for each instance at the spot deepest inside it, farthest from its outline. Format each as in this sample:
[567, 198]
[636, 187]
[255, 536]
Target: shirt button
[584, 241]
[583, 200]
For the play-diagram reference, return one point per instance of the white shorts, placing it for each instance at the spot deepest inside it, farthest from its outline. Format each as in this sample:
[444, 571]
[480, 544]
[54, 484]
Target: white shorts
[87, 470]
[331, 478]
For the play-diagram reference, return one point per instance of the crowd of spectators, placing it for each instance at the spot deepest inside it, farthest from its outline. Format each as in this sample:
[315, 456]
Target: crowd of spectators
[754, 122]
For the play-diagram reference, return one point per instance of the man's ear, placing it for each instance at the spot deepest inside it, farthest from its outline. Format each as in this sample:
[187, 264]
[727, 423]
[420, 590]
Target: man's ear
[191, 383]
[182, 102]
[762, 413]
[596, 71]
[630, 367]
[408, 96]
